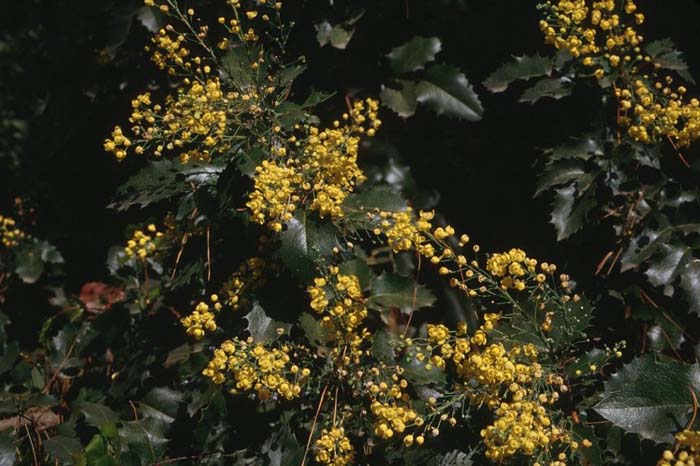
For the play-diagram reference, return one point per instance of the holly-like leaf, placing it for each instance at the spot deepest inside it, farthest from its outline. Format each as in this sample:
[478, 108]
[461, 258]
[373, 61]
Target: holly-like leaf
[32, 257]
[67, 450]
[670, 260]
[663, 52]
[554, 88]
[236, 65]
[558, 173]
[382, 349]
[421, 372]
[448, 92]
[402, 100]
[161, 403]
[690, 283]
[304, 243]
[146, 438]
[282, 448]
[7, 450]
[579, 148]
[337, 36]
[569, 211]
[414, 54]
[388, 290]
[651, 396]
[312, 329]
[97, 414]
[519, 68]
[263, 328]
[649, 242]
[456, 458]
[164, 180]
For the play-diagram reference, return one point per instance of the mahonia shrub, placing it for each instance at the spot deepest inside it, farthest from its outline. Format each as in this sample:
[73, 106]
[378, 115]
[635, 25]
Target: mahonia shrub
[352, 372]
[279, 299]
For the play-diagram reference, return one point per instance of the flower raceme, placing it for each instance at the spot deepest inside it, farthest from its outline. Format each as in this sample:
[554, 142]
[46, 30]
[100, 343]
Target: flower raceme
[10, 235]
[604, 37]
[325, 172]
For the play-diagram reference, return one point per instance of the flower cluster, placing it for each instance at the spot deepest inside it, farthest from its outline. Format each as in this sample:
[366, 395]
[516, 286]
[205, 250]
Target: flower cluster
[338, 298]
[519, 427]
[653, 110]
[393, 418]
[275, 194]
[202, 318]
[10, 235]
[511, 267]
[144, 243]
[688, 453]
[597, 31]
[255, 367]
[250, 274]
[333, 448]
[331, 156]
[325, 171]
[198, 122]
[603, 35]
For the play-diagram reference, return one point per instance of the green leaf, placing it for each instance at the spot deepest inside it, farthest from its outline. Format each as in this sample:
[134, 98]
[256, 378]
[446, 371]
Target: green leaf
[596, 356]
[382, 349]
[414, 54]
[651, 396]
[554, 88]
[236, 65]
[569, 211]
[97, 414]
[447, 92]
[161, 403]
[28, 263]
[7, 450]
[579, 148]
[558, 173]
[316, 97]
[145, 437]
[32, 257]
[663, 52]
[9, 356]
[668, 263]
[338, 36]
[359, 268]
[649, 243]
[96, 448]
[417, 373]
[304, 243]
[262, 328]
[282, 448]
[164, 180]
[519, 68]
[357, 205]
[403, 100]
[456, 458]
[389, 290]
[690, 283]
[64, 449]
[312, 329]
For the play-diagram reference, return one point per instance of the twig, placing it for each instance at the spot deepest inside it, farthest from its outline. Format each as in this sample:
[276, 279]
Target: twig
[614, 261]
[313, 424]
[208, 254]
[31, 443]
[47, 387]
[695, 408]
[602, 263]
